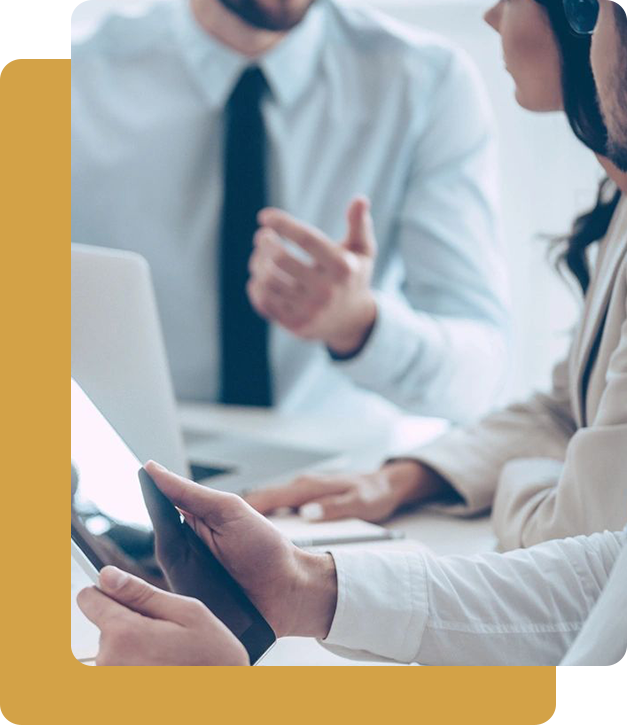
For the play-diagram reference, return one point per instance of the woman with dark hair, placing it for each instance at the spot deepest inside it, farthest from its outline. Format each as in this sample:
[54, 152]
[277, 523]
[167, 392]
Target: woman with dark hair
[527, 607]
[555, 465]
[580, 103]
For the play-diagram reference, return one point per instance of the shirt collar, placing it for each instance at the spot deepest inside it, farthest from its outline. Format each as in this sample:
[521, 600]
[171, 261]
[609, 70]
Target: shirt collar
[289, 66]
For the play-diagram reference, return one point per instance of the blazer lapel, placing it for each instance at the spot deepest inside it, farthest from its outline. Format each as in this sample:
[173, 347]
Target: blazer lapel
[598, 301]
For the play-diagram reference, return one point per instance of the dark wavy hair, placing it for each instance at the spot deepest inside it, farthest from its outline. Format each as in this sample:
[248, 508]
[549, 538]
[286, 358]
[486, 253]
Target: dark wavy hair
[582, 109]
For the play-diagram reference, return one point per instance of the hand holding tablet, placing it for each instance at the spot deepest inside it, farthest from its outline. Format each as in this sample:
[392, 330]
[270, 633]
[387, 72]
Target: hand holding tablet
[143, 625]
[108, 499]
[295, 590]
[275, 575]
[222, 575]
[191, 569]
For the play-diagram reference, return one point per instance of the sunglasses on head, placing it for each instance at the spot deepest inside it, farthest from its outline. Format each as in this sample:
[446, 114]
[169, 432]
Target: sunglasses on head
[582, 15]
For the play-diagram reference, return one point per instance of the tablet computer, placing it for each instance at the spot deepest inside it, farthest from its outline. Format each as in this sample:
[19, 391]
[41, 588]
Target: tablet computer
[120, 517]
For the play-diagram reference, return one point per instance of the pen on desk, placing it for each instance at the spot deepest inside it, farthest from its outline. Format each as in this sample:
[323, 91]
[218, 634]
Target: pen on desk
[357, 539]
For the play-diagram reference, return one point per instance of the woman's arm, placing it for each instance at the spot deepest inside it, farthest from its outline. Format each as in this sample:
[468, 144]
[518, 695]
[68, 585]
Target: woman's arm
[463, 466]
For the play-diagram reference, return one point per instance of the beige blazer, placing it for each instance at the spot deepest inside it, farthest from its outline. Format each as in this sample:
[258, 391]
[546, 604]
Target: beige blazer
[556, 465]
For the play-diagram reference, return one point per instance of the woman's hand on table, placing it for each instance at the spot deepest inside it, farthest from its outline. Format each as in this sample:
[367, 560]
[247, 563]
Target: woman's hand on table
[369, 496]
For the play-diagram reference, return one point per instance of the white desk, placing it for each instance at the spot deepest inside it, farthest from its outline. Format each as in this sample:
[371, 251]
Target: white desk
[365, 448]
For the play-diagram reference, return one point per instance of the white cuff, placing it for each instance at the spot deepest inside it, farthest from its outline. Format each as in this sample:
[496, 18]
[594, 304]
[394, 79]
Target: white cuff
[382, 604]
[400, 340]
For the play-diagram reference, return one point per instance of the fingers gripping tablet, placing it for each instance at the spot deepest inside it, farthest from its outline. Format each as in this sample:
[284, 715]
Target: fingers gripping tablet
[191, 569]
[131, 524]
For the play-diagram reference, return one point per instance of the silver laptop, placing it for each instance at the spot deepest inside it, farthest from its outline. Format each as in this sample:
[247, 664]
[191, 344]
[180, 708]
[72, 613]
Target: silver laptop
[119, 359]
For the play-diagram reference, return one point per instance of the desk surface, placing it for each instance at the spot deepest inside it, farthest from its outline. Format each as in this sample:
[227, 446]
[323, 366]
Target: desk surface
[365, 449]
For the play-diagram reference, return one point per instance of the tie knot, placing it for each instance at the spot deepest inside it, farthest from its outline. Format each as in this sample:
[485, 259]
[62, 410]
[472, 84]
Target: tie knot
[250, 87]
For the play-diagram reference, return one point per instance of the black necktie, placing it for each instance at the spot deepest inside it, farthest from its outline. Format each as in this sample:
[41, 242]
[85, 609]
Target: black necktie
[245, 368]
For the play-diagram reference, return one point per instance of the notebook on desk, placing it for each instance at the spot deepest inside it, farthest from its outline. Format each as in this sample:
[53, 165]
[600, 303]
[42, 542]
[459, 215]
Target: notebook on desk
[331, 533]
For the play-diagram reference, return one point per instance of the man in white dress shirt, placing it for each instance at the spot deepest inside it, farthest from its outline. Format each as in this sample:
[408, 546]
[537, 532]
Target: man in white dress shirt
[348, 104]
[525, 607]
[560, 601]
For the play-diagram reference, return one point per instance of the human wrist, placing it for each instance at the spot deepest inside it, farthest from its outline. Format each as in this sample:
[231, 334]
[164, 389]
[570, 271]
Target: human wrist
[349, 338]
[316, 595]
[411, 481]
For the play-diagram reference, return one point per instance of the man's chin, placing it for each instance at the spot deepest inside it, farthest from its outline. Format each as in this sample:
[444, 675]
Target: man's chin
[253, 14]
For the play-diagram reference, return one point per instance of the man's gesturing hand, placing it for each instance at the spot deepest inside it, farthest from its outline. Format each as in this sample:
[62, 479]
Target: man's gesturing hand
[142, 625]
[328, 299]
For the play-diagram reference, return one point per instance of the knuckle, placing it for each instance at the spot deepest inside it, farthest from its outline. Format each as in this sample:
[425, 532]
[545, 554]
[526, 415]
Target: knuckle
[195, 610]
[275, 285]
[232, 499]
[232, 505]
[136, 594]
[342, 270]
[253, 293]
[259, 277]
[252, 263]
[303, 237]
[262, 297]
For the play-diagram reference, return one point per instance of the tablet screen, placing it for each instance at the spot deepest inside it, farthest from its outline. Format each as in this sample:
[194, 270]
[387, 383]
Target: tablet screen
[120, 517]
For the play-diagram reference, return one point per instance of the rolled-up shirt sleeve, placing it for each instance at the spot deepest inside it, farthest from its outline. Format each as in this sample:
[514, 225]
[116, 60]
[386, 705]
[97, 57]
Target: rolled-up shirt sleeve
[525, 607]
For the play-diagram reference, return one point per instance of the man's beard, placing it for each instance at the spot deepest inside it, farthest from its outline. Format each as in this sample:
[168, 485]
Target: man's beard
[617, 153]
[251, 12]
[617, 115]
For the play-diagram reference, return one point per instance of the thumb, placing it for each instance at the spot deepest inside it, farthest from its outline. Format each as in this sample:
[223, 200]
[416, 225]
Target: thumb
[139, 596]
[214, 508]
[360, 238]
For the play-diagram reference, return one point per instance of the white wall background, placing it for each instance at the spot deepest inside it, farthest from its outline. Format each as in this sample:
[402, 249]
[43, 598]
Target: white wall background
[547, 176]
